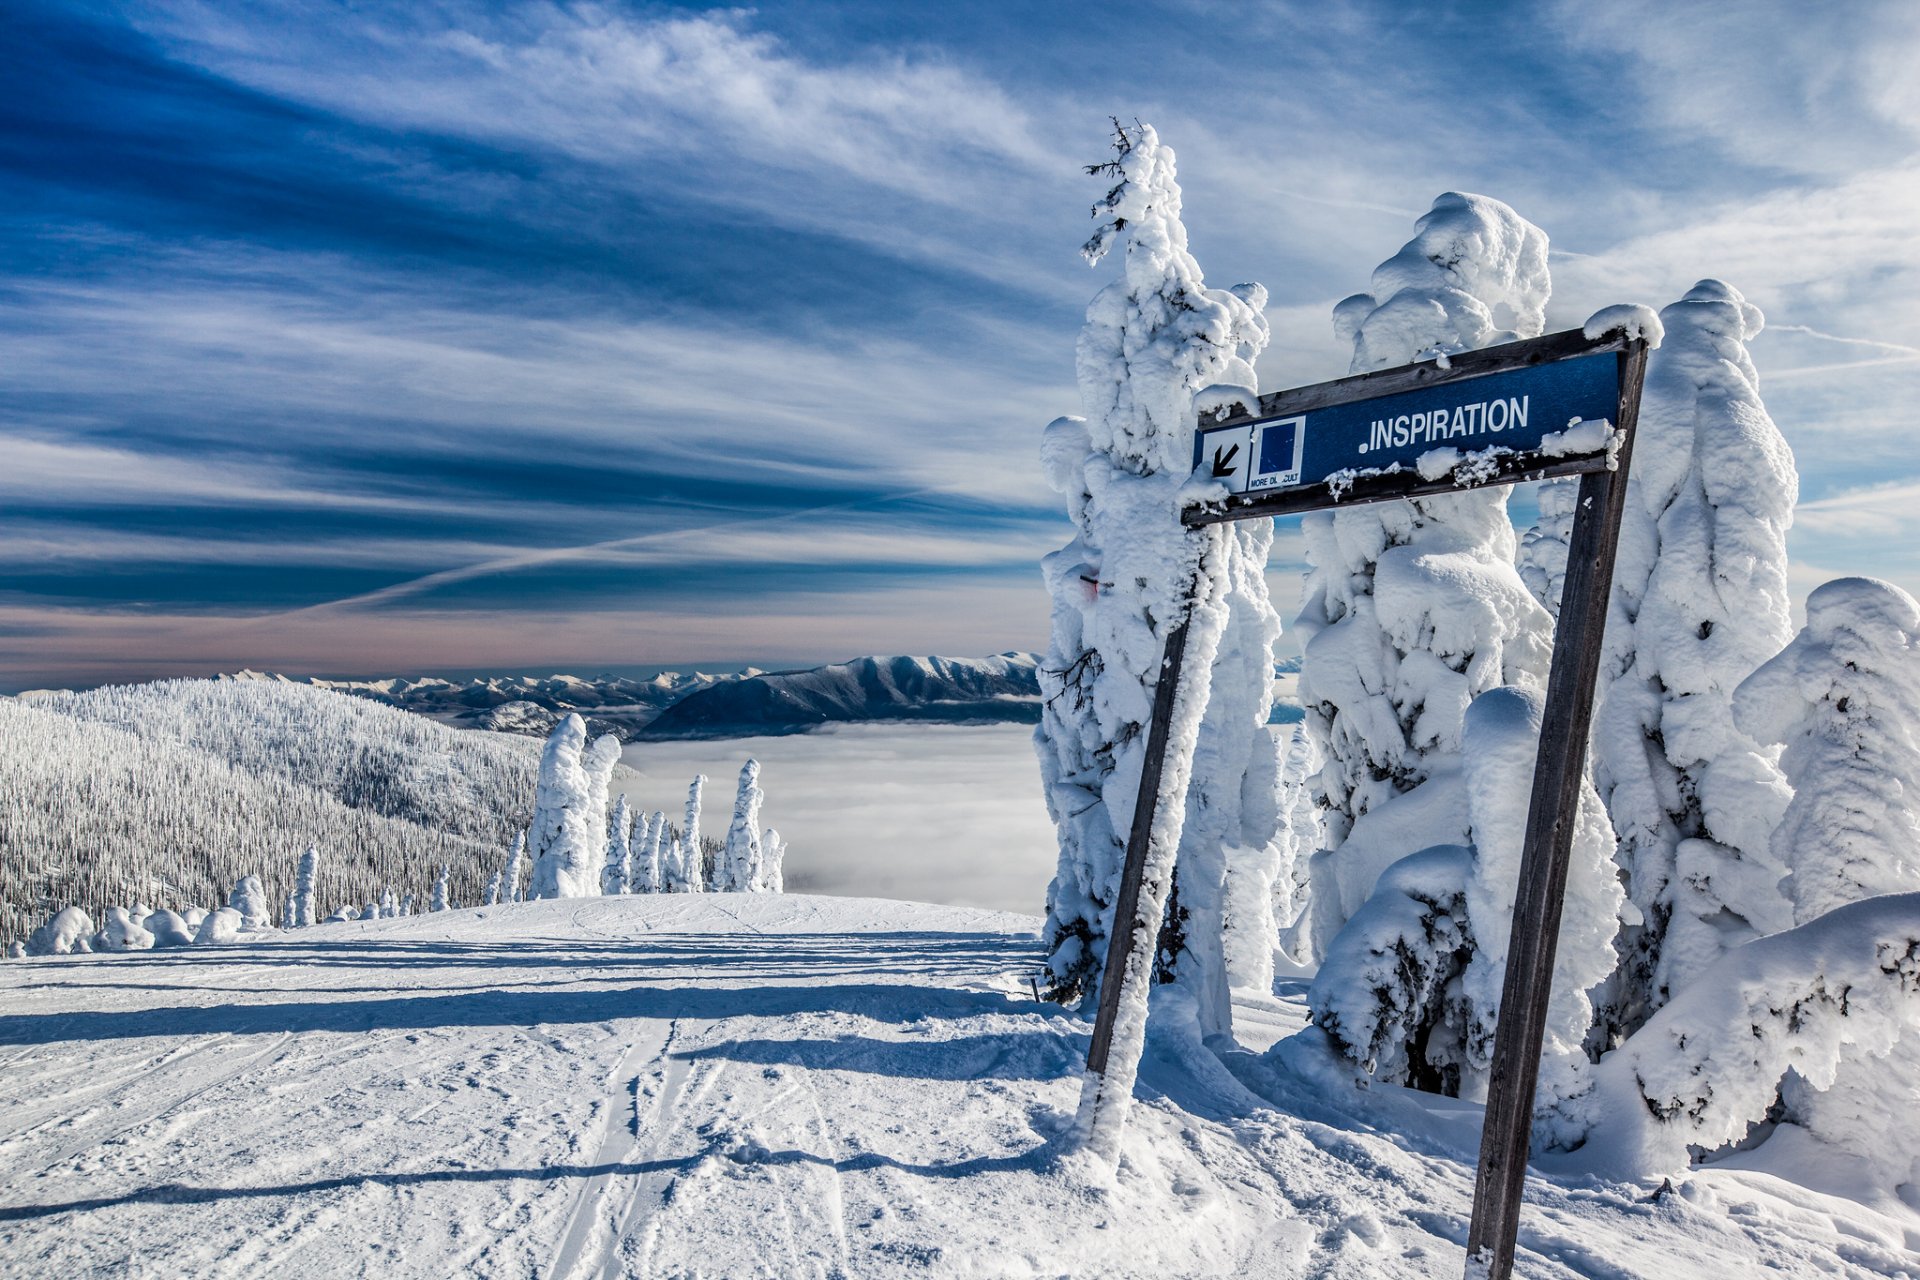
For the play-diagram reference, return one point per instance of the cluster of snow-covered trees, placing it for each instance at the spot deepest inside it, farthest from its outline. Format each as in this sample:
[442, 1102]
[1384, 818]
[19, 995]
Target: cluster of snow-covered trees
[571, 849]
[1751, 788]
[169, 792]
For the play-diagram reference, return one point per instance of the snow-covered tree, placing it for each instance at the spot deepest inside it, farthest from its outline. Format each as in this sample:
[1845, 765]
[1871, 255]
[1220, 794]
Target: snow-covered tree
[619, 866]
[510, 890]
[773, 875]
[1823, 1014]
[739, 868]
[693, 869]
[1699, 600]
[250, 900]
[1844, 700]
[677, 876]
[1412, 609]
[220, 926]
[305, 900]
[492, 897]
[389, 908]
[169, 929]
[569, 836]
[124, 933]
[1152, 340]
[440, 901]
[648, 873]
[1543, 551]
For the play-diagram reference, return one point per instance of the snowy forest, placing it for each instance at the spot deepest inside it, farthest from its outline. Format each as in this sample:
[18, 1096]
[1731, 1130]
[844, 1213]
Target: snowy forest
[188, 810]
[1741, 934]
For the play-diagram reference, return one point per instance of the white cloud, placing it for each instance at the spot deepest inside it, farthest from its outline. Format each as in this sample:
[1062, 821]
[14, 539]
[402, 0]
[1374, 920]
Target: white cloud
[1820, 91]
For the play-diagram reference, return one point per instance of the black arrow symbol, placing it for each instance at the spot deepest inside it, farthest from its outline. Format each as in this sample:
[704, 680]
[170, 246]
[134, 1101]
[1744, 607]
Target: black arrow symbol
[1224, 466]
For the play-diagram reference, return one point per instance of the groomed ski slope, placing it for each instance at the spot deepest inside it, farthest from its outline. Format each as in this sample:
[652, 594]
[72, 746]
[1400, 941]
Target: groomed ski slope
[747, 1085]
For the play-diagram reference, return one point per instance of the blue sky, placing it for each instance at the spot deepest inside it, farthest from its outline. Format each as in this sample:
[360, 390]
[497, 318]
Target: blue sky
[428, 338]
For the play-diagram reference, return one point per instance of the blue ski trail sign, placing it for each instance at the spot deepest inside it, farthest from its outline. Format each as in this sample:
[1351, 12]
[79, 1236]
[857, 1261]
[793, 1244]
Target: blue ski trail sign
[1560, 405]
[1497, 415]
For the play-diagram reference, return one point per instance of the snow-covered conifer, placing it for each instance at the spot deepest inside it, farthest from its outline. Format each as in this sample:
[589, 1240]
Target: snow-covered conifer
[1844, 699]
[250, 900]
[510, 891]
[694, 872]
[1699, 600]
[1412, 609]
[569, 835]
[1543, 551]
[194, 917]
[738, 870]
[647, 872]
[16, 950]
[440, 900]
[61, 935]
[617, 874]
[493, 889]
[371, 911]
[123, 933]
[305, 898]
[169, 929]
[1153, 339]
[406, 905]
[341, 915]
[223, 925]
[773, 875]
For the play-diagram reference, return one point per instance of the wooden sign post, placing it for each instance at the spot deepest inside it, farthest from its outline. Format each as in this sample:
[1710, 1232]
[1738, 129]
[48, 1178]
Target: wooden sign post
[1559, 405]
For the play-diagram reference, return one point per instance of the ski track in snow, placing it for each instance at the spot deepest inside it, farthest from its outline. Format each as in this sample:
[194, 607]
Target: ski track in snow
[748, 1086]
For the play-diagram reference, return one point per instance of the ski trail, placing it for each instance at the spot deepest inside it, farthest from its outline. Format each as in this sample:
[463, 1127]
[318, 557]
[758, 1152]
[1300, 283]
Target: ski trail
[653, 1187]
[126, 1123]
[619, 1144]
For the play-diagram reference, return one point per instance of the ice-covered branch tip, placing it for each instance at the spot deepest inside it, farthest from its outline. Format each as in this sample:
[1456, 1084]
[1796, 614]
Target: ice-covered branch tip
[1629, 318]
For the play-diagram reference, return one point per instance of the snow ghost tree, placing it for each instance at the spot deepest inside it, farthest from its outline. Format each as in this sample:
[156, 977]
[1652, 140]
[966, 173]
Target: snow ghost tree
[250, 900]
[440, 901]
[693, 859]
[305, 904]
[1412, 609]
[493, 889]
[648, 874]
[510, 890]
[739, 870]
[773, 876]
[1844, 699]
[1543, 552]
[619, 867]
[389, 907]
[1152, 340]
[569, 835]
[1699, 600]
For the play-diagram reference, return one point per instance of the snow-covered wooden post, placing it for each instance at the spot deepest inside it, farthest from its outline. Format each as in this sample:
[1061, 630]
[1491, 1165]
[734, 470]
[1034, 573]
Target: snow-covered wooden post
[1560, 405]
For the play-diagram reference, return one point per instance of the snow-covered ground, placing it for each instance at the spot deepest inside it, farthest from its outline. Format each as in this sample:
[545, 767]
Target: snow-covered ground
[925, 812]
[746, 1085]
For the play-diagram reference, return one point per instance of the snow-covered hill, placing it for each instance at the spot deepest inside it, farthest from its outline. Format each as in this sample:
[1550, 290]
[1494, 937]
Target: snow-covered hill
[1000, 688]
[165, 793]
[528, 705]
[949, 690]
[735, 1085]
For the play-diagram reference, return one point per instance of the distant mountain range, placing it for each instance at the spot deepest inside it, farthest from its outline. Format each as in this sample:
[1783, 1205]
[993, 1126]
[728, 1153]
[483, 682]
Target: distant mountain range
[1001, 688]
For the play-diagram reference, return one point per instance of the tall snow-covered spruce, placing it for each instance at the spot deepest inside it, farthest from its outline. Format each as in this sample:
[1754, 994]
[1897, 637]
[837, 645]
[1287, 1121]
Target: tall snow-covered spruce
[615, 877]
[305, 905]
[1844, 700]
[569, 836]
[1699, 601]
[1152, 340]
[740, 869]
[1412, 609]
[691, 863]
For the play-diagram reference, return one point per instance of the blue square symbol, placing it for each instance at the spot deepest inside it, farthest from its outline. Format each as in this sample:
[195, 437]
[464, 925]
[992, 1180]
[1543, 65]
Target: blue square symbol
[1276, 446]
